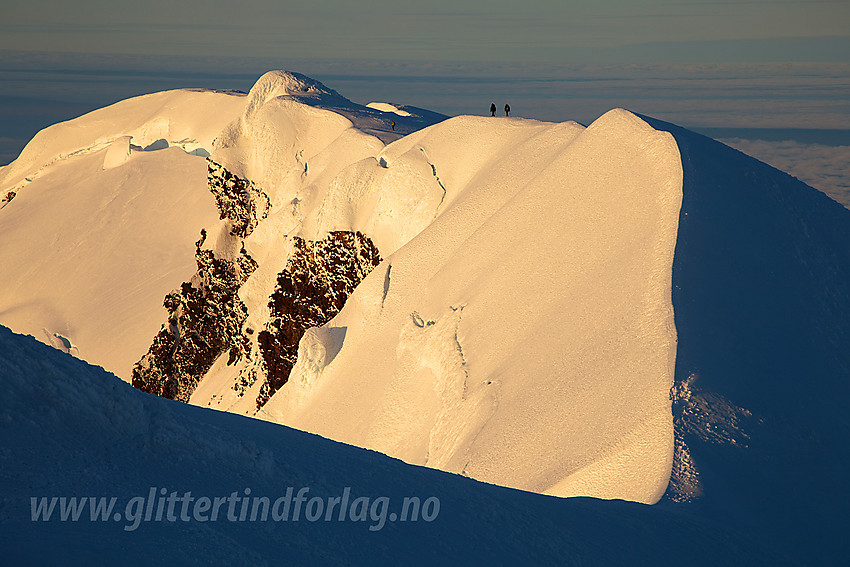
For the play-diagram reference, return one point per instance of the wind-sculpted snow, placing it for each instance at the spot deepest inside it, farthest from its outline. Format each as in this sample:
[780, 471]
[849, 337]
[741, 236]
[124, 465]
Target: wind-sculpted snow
[538, 301]
[291, 121]
[186, 118]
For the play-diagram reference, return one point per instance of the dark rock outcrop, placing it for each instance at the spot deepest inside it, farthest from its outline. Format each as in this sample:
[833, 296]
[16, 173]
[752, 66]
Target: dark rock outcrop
[206, 316]
[238, 200]
[205, 319]
[310, 291]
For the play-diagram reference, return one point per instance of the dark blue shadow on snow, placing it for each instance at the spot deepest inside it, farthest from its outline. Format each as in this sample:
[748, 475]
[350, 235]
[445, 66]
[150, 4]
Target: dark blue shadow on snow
[761, 295]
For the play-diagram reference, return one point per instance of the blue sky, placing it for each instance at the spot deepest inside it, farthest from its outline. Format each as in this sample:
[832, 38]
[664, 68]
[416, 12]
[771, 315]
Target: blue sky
[439, 31]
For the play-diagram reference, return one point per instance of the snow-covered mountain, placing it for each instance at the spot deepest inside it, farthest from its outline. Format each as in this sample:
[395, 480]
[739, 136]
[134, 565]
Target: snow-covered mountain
[627, 310]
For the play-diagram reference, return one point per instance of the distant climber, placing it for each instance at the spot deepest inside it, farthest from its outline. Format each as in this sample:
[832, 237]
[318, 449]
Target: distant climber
[507, 110]
[492, 109]
[392, 123]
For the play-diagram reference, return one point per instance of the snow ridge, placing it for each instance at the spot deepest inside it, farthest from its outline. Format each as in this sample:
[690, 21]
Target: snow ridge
[479, 409]
[313, 190]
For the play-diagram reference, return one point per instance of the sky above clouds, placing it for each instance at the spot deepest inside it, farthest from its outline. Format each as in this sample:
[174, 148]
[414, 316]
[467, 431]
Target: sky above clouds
[699, 63]
[440, 30]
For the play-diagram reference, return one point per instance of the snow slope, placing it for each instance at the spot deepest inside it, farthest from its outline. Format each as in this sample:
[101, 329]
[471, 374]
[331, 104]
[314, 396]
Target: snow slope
[101, 227]
[525, 337]
[761, 296]
[89, 252]
[68, 429]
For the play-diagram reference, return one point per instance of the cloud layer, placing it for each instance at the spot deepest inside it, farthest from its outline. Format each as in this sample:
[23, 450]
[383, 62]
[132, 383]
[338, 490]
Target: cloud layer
[823, 167]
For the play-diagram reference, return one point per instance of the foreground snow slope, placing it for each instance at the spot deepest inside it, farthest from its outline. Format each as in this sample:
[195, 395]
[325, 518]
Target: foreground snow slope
[69, 429]
[525, 337]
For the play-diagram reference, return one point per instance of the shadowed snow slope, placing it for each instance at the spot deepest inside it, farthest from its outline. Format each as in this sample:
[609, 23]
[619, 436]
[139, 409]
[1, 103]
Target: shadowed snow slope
[761, 295]
[68, 429]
